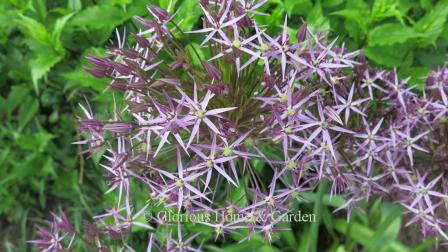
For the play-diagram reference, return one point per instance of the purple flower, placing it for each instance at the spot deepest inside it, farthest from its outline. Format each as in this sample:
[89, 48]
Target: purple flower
[370, 82]
[199, 113]
[258, 111]
[211, 70]
[263, 47]
[217, 24]
[168, 122]
[54, 239]
[410, 143]
[282, 47]
[182, 184]
[213, 162]
[323, 127]
[421, 193]
[350, 105]
[301, 33]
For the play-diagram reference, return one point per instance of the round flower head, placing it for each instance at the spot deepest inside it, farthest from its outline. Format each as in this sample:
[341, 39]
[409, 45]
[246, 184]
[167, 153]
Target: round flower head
[194, 122]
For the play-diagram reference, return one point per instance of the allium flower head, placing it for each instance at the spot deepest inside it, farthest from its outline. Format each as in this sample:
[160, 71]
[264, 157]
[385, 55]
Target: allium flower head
[200, 118]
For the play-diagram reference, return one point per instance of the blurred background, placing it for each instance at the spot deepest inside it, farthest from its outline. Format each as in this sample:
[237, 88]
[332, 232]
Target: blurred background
[42, 48]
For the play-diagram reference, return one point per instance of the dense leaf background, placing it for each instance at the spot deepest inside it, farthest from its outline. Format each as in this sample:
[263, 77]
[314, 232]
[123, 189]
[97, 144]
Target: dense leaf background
[42, 49]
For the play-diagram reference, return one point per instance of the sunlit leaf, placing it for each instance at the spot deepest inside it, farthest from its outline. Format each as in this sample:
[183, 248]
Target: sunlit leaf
[389, 34]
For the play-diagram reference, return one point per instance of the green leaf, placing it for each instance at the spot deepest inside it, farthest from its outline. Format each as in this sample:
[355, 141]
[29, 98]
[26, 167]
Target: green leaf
[341, 248]
[356, 16]
[47, 47]
[238, 195]
[363, 236]
[297, 7]
[328, 200]
[267, 248]
[316, 19]
[42, 65]
[16, 97]
[426, 4]
[27, 111]
[425, 246]
[332, 3]
[164, 4]
[191, 49]
[354, 31]
[189, 12]
[57, 31]
[122, 3]
[304, 240]
[41, 8]
[34, 29]
[111, 16]
[135, 9]
[288, 237]
[48, 167]
[75, 5]
[21, 169]
[387, 231]
[6, 24]
[432, 24]
[34, 142]
[318, 205]
[389, 34]
[417, 74]
[386, 8]
[356, 12]
[388, 55]
[328, 220]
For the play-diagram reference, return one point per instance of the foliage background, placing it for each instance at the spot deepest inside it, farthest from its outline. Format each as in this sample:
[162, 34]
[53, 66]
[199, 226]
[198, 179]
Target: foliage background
[42, 49]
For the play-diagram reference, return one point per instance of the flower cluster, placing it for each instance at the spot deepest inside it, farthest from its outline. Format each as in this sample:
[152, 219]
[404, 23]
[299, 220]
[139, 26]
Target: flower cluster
[195, 117]
[53, 239]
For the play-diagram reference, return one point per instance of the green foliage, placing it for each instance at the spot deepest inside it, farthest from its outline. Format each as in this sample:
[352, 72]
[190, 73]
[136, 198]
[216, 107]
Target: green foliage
[389, 34]
[409, 35]
[43, 44]
[377, 228]
[42, 48]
